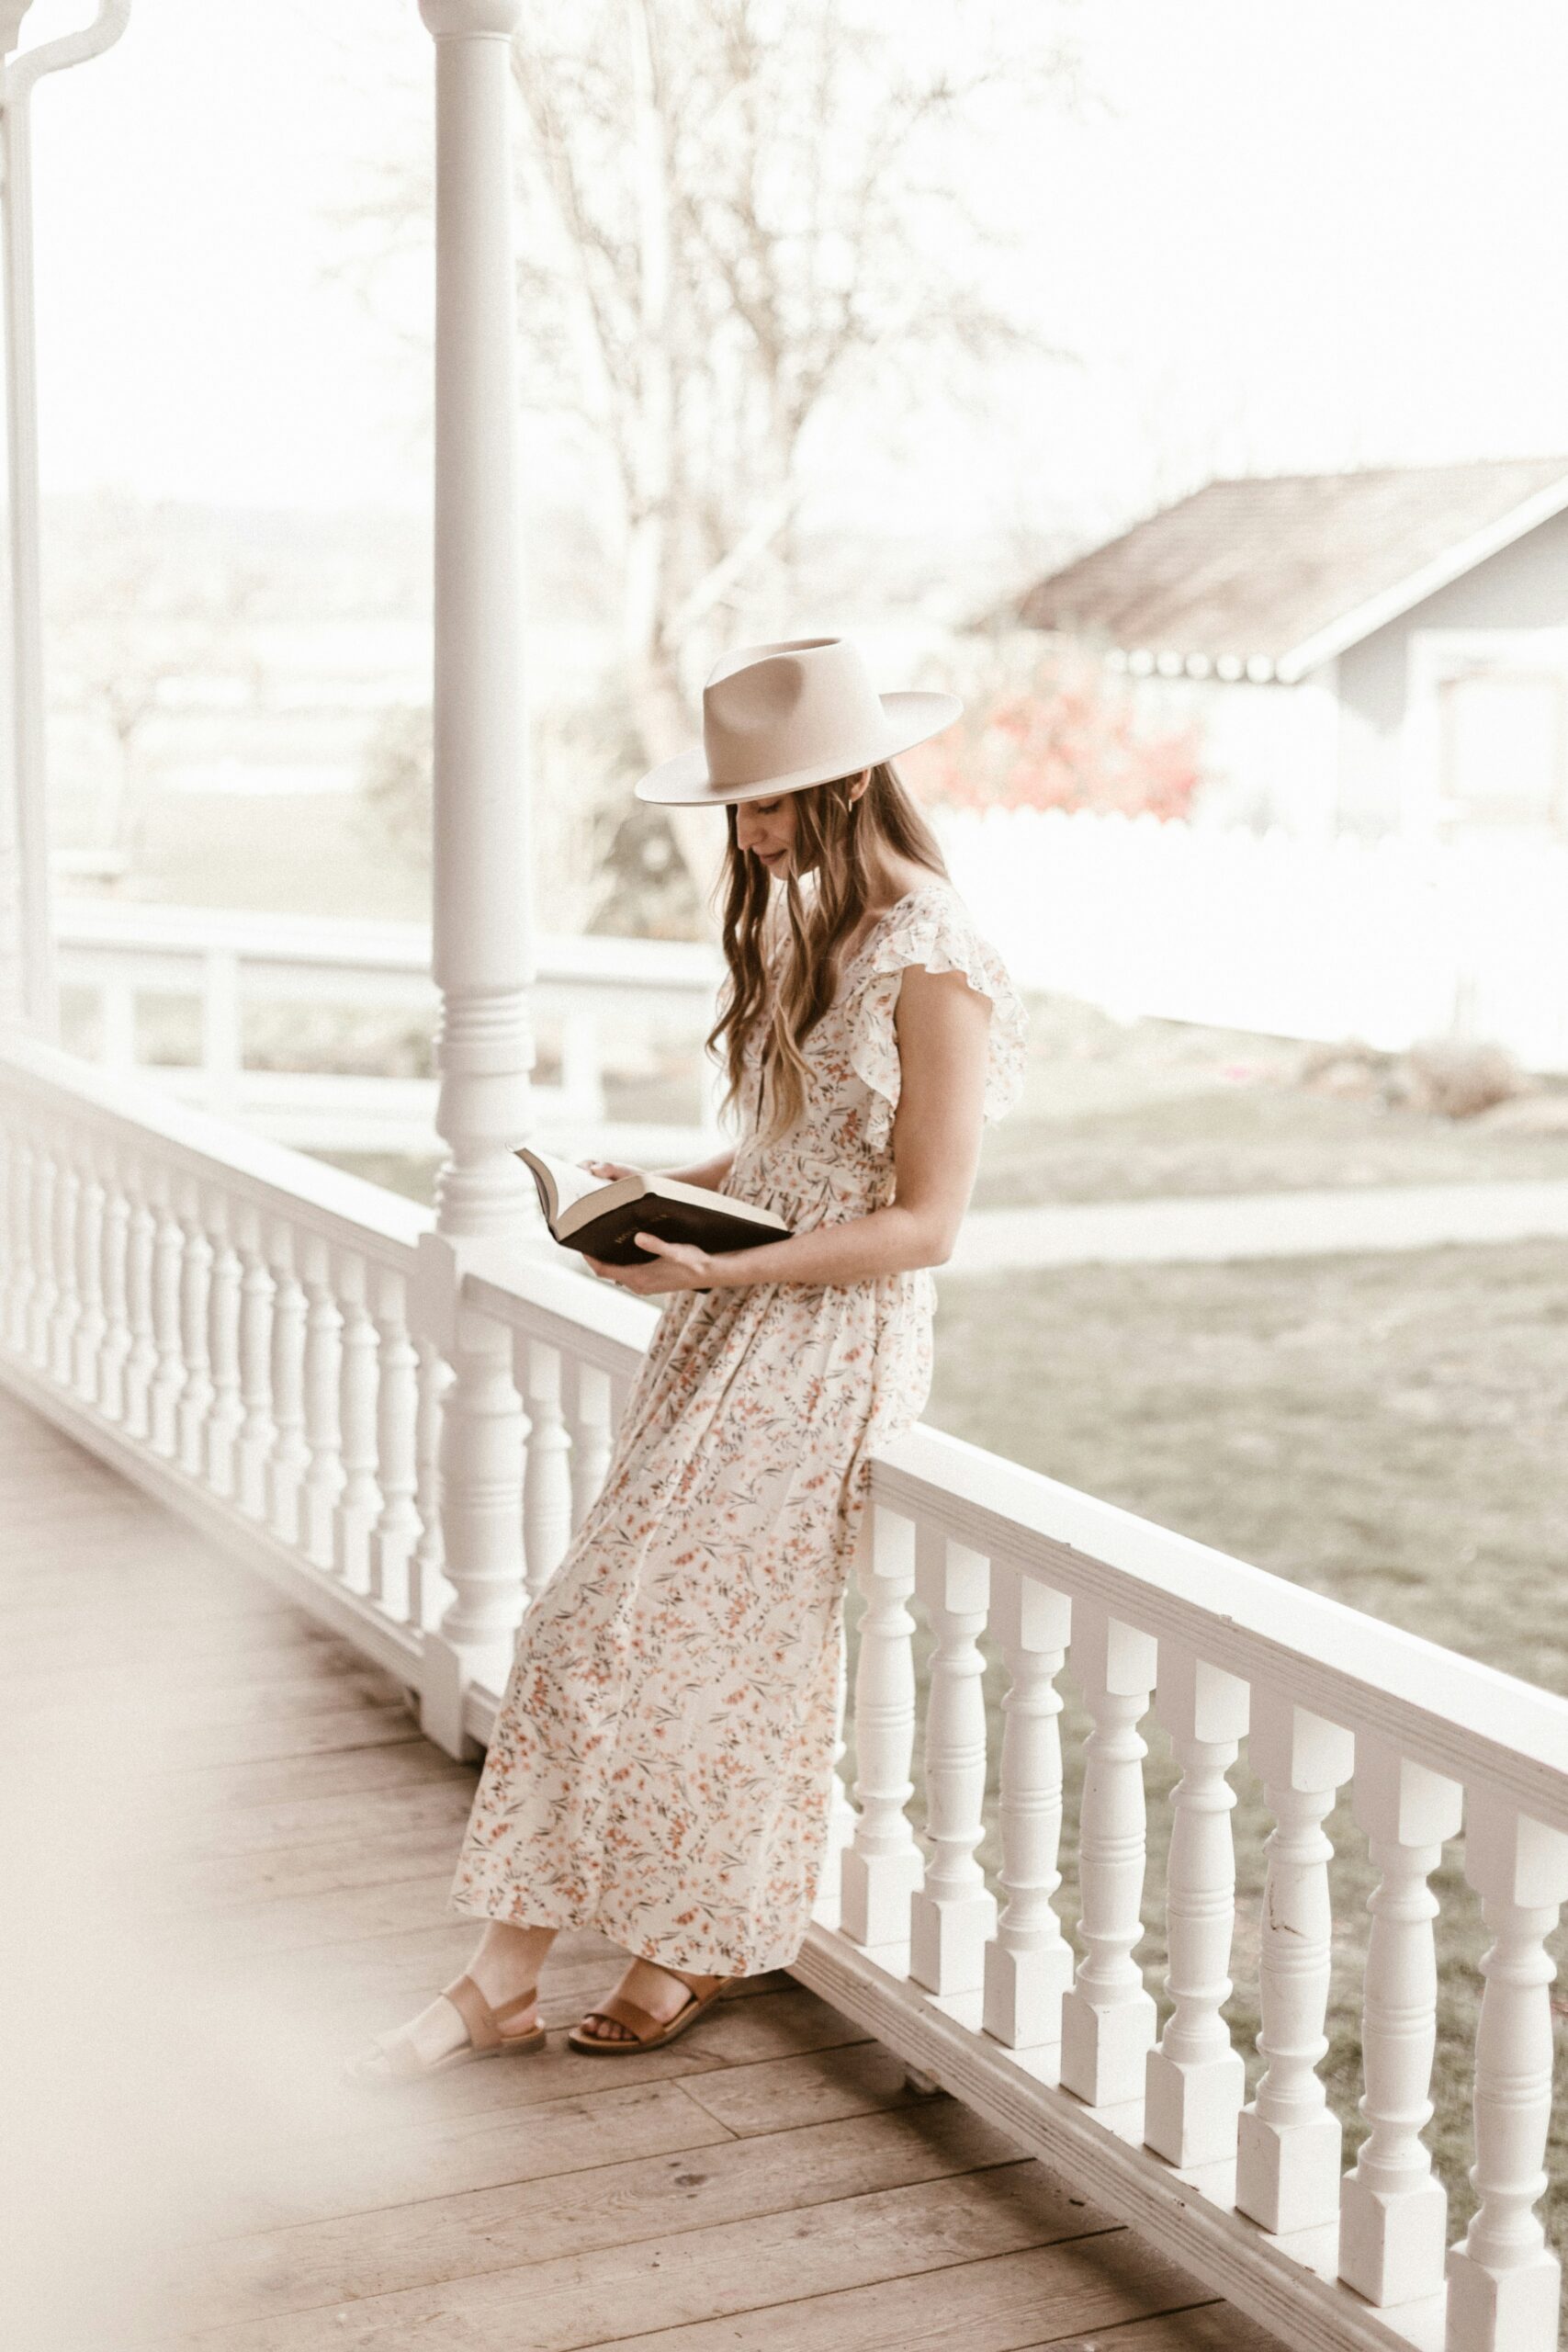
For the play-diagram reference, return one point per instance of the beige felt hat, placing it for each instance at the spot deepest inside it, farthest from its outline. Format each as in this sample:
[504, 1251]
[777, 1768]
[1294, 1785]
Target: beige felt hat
[778, 718]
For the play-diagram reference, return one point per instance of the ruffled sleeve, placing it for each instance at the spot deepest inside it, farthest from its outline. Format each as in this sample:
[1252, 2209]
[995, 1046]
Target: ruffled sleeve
[933, 929]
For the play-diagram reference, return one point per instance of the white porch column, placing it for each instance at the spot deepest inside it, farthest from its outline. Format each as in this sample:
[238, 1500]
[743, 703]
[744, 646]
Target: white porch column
[27, 993]
[482, 922]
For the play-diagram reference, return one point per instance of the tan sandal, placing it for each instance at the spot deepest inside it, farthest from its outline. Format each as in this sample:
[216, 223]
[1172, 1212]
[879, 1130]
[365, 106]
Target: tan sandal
[649, 2032]
[392, 2058]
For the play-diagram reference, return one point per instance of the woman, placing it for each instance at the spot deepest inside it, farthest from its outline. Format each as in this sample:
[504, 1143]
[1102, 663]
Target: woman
[662, 1762]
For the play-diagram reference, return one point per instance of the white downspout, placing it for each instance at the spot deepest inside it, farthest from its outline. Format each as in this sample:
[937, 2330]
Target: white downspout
[28, 991]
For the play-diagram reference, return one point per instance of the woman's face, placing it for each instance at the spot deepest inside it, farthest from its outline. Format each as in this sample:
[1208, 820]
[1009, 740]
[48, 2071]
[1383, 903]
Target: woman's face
[765, 829]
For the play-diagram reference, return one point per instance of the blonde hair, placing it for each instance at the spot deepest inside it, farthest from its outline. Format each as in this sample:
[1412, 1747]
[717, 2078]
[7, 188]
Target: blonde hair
[845, 841]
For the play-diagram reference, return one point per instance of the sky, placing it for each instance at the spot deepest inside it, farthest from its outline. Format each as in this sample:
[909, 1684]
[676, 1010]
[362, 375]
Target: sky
[1279, 235]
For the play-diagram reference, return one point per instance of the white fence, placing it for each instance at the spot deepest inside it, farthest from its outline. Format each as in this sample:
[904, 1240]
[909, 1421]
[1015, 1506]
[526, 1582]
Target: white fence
[402, 1433]
[602, 1005]
[1385, 940]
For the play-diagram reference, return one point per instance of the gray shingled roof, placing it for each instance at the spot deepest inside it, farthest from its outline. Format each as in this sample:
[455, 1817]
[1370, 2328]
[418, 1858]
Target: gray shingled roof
[1279, 572]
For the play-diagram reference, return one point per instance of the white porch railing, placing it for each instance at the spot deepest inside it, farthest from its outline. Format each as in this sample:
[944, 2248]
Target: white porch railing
[250, 1336]
[603, 1004]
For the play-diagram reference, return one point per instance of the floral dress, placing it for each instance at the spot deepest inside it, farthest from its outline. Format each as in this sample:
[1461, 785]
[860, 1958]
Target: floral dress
[661, 1763]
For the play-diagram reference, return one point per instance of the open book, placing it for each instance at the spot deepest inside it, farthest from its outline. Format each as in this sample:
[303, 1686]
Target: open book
[584, 1212]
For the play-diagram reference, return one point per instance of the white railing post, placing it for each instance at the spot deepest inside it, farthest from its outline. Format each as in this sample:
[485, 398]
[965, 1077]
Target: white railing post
[396, 1530]
[1289, 2147]
[1392, 2212]
[953, 1913]
[196, 1287]
[290, 1455]
[482, 931]
[88, 1339]
[1503, 2282]
[546, 1477]
[1107, 2016]
[1195, 2081]
[882, 1868]
[228, 1413]
[117, 1344]
[258, 1431]
[323, 1479]
[589, 1393]
[359, 1504]
[1029, 1963]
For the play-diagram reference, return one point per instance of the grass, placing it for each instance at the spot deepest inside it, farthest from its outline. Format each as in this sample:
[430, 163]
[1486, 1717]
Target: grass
[1383, 1430]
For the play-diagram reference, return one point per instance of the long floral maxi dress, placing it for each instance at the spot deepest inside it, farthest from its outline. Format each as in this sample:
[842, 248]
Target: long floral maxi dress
[661, 1763]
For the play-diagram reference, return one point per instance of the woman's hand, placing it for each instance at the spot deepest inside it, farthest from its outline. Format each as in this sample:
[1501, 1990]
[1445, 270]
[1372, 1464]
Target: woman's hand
[677, 1265]
[608, 1170]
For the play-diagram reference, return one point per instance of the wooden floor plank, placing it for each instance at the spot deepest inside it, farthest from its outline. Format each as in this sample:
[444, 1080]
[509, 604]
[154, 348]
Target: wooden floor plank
[454, 2236]
[240, 1850]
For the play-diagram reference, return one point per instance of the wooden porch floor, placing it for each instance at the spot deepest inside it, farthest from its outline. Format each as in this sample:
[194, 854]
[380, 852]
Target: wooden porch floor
[228, 1854]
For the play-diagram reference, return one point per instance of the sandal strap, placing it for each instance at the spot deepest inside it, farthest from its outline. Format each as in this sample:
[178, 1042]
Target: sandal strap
[484, 2031]
[643, 2022]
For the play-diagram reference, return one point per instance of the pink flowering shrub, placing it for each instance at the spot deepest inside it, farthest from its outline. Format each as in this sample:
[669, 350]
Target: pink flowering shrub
[1070, 735]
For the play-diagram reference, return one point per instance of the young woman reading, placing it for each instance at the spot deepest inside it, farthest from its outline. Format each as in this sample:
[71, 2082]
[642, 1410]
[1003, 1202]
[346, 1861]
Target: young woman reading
[662, 1762]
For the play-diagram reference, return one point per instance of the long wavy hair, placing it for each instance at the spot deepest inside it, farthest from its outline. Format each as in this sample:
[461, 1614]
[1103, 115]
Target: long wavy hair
[842, 841]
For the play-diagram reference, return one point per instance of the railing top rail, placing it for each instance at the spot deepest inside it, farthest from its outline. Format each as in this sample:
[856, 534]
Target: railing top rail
[1465, 1720]
[514, 1281]
[352, 1211]
[259, 937]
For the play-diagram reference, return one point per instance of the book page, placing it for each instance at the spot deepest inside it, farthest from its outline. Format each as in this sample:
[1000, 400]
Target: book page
[573, 1183]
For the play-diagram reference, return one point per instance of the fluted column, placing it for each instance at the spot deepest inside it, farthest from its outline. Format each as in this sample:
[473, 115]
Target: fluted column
[482, 922]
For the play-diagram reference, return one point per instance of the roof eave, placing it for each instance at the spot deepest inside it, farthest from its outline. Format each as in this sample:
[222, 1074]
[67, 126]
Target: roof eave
[1391, 604]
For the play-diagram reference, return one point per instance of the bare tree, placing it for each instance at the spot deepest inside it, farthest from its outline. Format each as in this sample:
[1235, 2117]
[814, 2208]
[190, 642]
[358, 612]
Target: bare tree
[753, 232]
[132, 613]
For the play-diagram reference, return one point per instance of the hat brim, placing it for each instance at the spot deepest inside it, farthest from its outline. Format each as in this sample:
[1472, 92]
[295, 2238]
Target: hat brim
[911, 719]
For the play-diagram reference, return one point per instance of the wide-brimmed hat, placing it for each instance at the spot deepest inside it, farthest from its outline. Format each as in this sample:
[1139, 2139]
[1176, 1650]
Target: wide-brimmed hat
[778, 718]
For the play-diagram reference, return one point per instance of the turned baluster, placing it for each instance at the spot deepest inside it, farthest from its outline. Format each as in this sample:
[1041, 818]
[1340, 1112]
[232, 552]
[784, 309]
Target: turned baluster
[547, 1474]
[258, 1431]
[45, 1289]
[1503, 2282]
[140, 1294]
[1289, 2145]
[1195, 2081]
[23, 1278]
[227, 1414]
[67, 1308]
[115, 1354]
[1392, 2213]
[429, 1593]
[590, 1435]
[195, 1396]
[953, 1913]
[358, 1504]
[169, 1373]
[290, 1455]
[842, 1818]
[480, 1465]
[396, 1532]
[1029, 1965]
[92, 1323]
[883, 1867]
[323, 1366]
[1107, 2016]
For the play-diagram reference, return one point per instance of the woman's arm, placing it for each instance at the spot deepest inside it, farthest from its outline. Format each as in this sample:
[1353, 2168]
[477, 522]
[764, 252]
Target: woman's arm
[712, 1172]
[940, 1025]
